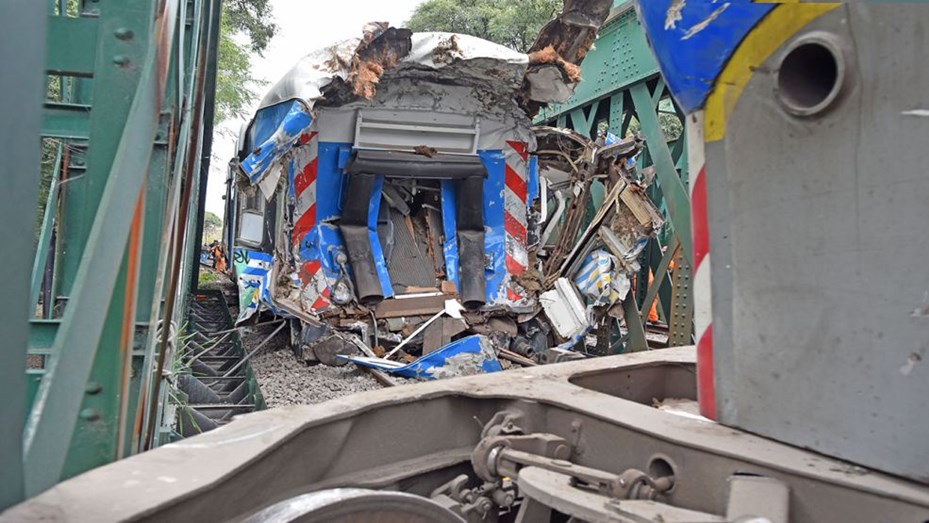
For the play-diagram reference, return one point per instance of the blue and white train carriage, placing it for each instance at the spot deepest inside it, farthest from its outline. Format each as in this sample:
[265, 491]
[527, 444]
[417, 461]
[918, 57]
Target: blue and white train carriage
[383, 176]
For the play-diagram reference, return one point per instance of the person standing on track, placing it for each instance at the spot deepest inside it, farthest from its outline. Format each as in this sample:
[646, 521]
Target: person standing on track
[219, 257]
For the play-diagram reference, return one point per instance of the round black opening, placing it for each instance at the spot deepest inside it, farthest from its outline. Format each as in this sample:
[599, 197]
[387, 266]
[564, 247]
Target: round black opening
[659, 467]
[808, 78]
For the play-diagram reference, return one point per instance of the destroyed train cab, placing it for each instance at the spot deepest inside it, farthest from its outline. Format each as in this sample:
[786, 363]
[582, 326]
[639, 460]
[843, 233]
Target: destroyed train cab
[393, 198]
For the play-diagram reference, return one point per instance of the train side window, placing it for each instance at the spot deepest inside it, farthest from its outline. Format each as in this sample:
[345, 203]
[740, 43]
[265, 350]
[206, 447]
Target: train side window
[253, 202]
[251, 223]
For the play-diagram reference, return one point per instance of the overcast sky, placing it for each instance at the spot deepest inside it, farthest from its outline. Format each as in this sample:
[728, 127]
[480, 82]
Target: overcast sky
[304, 25]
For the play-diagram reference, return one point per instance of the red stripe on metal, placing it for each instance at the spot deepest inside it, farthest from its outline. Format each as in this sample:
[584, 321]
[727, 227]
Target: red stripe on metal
[706, 386]
[320, 303]
[306, 137]
[516, 183]
[512, 296]
[520, 147]
[701, 233]
[515, 229]
[514, 267]
[304, 223]
[306, 177]
[308, 270]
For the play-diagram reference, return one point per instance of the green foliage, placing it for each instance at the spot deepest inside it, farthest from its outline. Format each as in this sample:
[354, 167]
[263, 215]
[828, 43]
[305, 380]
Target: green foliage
[247, 28]
[207, 277]
[50, 147]
[212, 220]
[513, 24]
[47, 169]
[235, 87]
[671, 126]
[252, 18]
[212, 227]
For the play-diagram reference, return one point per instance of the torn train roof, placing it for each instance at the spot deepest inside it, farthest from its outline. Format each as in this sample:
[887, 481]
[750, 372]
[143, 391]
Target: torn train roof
[320, 74]
[350, 70]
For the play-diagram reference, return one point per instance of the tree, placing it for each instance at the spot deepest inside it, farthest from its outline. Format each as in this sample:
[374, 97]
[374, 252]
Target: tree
[513, 24]
[212, 220]
[212, 227]
[247, 28]
[252, 18]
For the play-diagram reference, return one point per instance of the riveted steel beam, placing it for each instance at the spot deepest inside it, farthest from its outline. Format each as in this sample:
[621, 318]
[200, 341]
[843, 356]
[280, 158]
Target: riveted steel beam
[676, 196]
[103, 274]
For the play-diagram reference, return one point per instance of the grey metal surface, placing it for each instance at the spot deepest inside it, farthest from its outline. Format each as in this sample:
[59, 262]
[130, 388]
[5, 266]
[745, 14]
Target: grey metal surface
[355, 506]
[818, 235]
[410, 264]
[418, 437]
[22, 51]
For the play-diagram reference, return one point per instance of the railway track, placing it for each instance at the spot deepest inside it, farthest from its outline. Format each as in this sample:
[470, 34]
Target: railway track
[213, 372]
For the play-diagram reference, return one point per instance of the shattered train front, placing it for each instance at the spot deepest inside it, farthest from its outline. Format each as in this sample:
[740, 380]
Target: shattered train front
[393, 198]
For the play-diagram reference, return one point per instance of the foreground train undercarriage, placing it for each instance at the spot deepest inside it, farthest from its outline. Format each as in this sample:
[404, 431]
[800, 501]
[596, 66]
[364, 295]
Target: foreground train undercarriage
[609, 439]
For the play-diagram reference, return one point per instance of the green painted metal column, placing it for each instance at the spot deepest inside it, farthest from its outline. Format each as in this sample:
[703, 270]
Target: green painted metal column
[22, 51]
[676, 196]
[76, 418]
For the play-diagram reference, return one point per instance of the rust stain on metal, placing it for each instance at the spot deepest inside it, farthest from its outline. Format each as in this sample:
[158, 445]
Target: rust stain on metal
[375, 56]
[425, 150]
[548, 55]
[447, 51]
[573, 32]
[565, 41]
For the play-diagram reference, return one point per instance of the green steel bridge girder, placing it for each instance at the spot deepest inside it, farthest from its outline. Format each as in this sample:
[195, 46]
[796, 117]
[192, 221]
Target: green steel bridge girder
[120, 91]
[622, 83]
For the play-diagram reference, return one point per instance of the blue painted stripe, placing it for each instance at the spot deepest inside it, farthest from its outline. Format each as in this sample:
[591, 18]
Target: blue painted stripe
[380, 264]
[260, 256]
[450, 228]
[494, 231]
[532, 193]
[259, 162]
[693, 49]
[255, 271]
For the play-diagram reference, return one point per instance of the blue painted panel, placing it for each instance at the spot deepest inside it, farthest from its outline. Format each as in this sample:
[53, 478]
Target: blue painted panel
[450, 228]
[465, 357]
[267, 121]
[694, 43]
[532, 193]
[268, 151]
[253, 270]
[324, 241]
[329, 181]
[494, 231]
[380, 264]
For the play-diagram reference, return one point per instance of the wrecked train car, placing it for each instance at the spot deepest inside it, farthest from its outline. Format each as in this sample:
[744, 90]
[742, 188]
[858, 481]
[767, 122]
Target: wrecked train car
[392, 197]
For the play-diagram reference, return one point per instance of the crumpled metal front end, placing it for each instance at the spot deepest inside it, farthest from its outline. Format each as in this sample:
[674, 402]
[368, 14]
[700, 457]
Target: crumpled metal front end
[400, 172]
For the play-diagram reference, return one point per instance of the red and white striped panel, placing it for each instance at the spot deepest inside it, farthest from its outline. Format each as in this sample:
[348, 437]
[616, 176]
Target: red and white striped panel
[515, 217]
[306, 165]
[703, 305]
[314, 292]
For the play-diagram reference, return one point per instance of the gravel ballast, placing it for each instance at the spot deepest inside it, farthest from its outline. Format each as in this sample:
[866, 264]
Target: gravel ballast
[286, 381]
